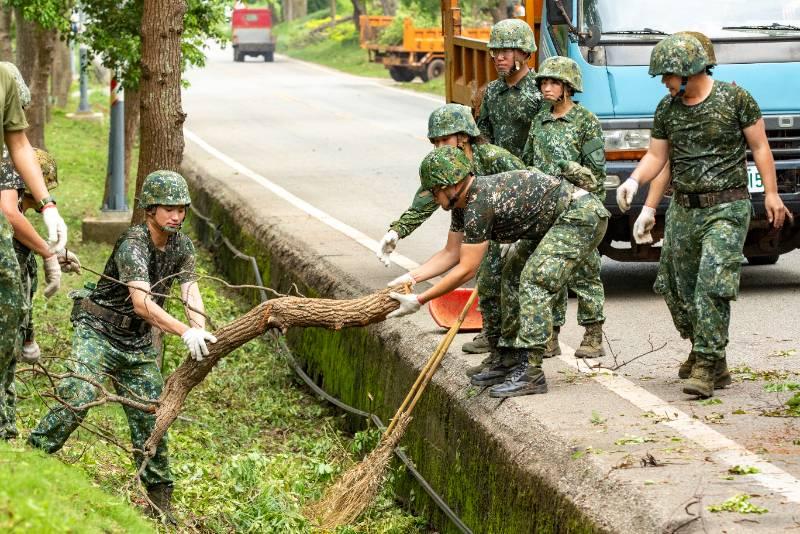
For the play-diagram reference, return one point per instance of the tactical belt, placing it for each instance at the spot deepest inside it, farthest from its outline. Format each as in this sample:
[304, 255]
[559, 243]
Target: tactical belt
[125, 322]
[706, 200]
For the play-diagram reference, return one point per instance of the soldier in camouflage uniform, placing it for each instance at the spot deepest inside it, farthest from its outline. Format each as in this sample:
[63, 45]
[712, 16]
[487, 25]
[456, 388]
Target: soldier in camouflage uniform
[566, 131]
[702, 128]
[453, 125]
[15, 96]
[511, 101]
[15, 200]
[557, 226]
[113, 321]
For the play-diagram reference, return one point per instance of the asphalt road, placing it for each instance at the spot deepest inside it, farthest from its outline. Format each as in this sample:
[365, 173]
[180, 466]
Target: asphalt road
[351, 147]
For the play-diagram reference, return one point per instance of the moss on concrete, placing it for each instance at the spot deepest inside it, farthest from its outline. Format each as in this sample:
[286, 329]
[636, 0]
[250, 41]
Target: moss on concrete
[470, 469]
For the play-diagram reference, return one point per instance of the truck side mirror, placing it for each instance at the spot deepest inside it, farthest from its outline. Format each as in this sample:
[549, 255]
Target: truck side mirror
[556, 10]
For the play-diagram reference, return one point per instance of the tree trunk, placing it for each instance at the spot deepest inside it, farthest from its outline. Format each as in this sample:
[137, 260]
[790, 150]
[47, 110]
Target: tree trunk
[281, 313]
[6, 20]
[131, 131]
[35, 46]
[294, 9]
[358, 10]
[500, 11]
[61, 78]
[389, 7]
[162, 118]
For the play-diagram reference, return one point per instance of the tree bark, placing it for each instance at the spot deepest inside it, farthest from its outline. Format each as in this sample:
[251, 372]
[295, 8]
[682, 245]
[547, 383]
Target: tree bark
[282, 313]
[131, 131]
[389, 7]
[61, 77]
[6, 20]
[161, 115]
[35, 47]
[358, 10]
[26, 46]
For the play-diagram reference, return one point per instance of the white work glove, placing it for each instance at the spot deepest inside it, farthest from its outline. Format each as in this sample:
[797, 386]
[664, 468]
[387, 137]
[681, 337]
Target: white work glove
[386, 246]
[52, 275]
[407, 278]
[625, 194]
[56, 229]
[643, 225]
[69, 262]
[408, 305]
[195, 340]
[30, 353]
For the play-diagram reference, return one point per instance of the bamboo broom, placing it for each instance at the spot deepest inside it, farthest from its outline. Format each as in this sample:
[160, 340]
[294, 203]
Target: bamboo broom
[352, 494]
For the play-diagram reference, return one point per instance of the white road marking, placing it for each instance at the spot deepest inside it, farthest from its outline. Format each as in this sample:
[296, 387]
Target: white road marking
[724, 449]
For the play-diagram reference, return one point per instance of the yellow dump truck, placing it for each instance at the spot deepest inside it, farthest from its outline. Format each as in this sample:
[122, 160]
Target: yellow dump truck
[420, 54]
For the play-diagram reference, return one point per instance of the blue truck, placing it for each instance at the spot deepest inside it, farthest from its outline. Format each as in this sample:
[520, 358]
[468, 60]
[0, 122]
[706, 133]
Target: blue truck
[757, 45]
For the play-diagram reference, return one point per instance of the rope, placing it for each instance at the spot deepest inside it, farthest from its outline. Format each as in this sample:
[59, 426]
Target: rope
[287, 353]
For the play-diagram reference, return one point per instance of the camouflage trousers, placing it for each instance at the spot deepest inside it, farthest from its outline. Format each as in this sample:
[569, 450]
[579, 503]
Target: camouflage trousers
[698, 274]
[535, 273]
[12, 310]
[489, 274]
[588, 286]
[135, 375]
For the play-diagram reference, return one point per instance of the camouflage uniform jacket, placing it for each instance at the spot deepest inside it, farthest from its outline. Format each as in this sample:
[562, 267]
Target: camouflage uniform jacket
[136, 258]
[486, 159]
[507, 112]
[9, 177]
[577, 136]
[510, 206]
[706, 143]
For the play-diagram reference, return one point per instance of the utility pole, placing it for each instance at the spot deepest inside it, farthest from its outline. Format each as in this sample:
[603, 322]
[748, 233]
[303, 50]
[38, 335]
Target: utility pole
[115, 178]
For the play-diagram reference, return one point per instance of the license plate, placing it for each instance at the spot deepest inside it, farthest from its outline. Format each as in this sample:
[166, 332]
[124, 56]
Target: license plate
[754, 183]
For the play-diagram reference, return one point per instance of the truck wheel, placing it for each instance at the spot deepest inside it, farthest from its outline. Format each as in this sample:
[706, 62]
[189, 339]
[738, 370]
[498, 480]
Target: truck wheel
[763, 260]
[434, 69]
[269, 56]
[401, 74]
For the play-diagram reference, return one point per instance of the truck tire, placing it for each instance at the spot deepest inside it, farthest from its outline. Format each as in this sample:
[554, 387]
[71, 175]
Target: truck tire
[763, 260]
[401, 74]
[269, 56]
[238, 57]
[434, 69]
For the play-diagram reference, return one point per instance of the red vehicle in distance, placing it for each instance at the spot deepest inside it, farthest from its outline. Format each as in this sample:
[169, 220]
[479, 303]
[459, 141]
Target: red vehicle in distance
[251, 33]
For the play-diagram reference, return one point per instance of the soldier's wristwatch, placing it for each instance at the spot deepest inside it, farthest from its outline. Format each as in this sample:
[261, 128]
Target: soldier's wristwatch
[44, 202]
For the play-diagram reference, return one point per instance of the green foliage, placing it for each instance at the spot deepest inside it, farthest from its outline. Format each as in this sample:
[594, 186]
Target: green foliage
[743, 470]
[49, 14]
[113, 33]
[738, 503]
[633, 440]
[781, 387]
[392, 35]
[41, 494]
[711, 401]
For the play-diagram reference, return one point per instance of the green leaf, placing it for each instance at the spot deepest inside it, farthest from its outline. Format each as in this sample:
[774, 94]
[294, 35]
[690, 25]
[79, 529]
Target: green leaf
[738, 503]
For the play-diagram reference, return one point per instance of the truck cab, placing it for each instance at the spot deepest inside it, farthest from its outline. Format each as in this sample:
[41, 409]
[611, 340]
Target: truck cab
[757, 45]
[251, 33]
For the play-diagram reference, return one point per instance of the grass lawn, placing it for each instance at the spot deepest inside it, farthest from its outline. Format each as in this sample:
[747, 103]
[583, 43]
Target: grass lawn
[250, 449]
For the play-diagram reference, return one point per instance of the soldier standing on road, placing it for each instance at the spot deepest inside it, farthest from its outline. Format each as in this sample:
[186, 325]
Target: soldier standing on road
[453, 125]
[14, 201]
[556, 225]
[511, 101]
[702, 128]
[113, 323]
[15, 96]
[566, 131]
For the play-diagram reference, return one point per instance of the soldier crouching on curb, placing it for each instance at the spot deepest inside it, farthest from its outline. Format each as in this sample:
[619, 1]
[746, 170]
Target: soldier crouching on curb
[558, 226]
[112, 336]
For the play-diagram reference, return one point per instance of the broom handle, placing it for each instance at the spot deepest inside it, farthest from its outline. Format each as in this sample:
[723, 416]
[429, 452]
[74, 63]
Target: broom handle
[430, 366]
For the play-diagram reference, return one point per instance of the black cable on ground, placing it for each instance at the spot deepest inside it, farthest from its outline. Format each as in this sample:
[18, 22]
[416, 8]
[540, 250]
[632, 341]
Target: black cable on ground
[287, 353]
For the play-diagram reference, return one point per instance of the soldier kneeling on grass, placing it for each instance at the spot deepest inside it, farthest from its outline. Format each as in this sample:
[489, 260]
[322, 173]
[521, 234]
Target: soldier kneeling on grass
[112, 322]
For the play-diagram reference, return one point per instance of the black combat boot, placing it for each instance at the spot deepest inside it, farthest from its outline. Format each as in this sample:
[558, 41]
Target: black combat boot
[161, 497]
[492, 359]
[526, 378]
[496, 372]
[553, 348]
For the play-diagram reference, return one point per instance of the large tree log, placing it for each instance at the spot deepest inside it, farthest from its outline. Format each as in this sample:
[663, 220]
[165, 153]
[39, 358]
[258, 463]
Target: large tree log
[282, 313]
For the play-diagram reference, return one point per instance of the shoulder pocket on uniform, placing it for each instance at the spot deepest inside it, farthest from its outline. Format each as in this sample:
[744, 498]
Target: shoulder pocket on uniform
[594, 151]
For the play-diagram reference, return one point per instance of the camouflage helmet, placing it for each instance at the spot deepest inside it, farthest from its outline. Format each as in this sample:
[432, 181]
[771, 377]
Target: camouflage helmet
[561, 68]
[708, 46]
[679, 54]
[22, 87]
[443, 166]
[513, 33]
[49, 169]
[164, 188]
[452, 119]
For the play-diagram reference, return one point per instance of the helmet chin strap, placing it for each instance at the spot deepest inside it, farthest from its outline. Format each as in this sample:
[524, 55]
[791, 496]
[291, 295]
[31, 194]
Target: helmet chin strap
[682, 90]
